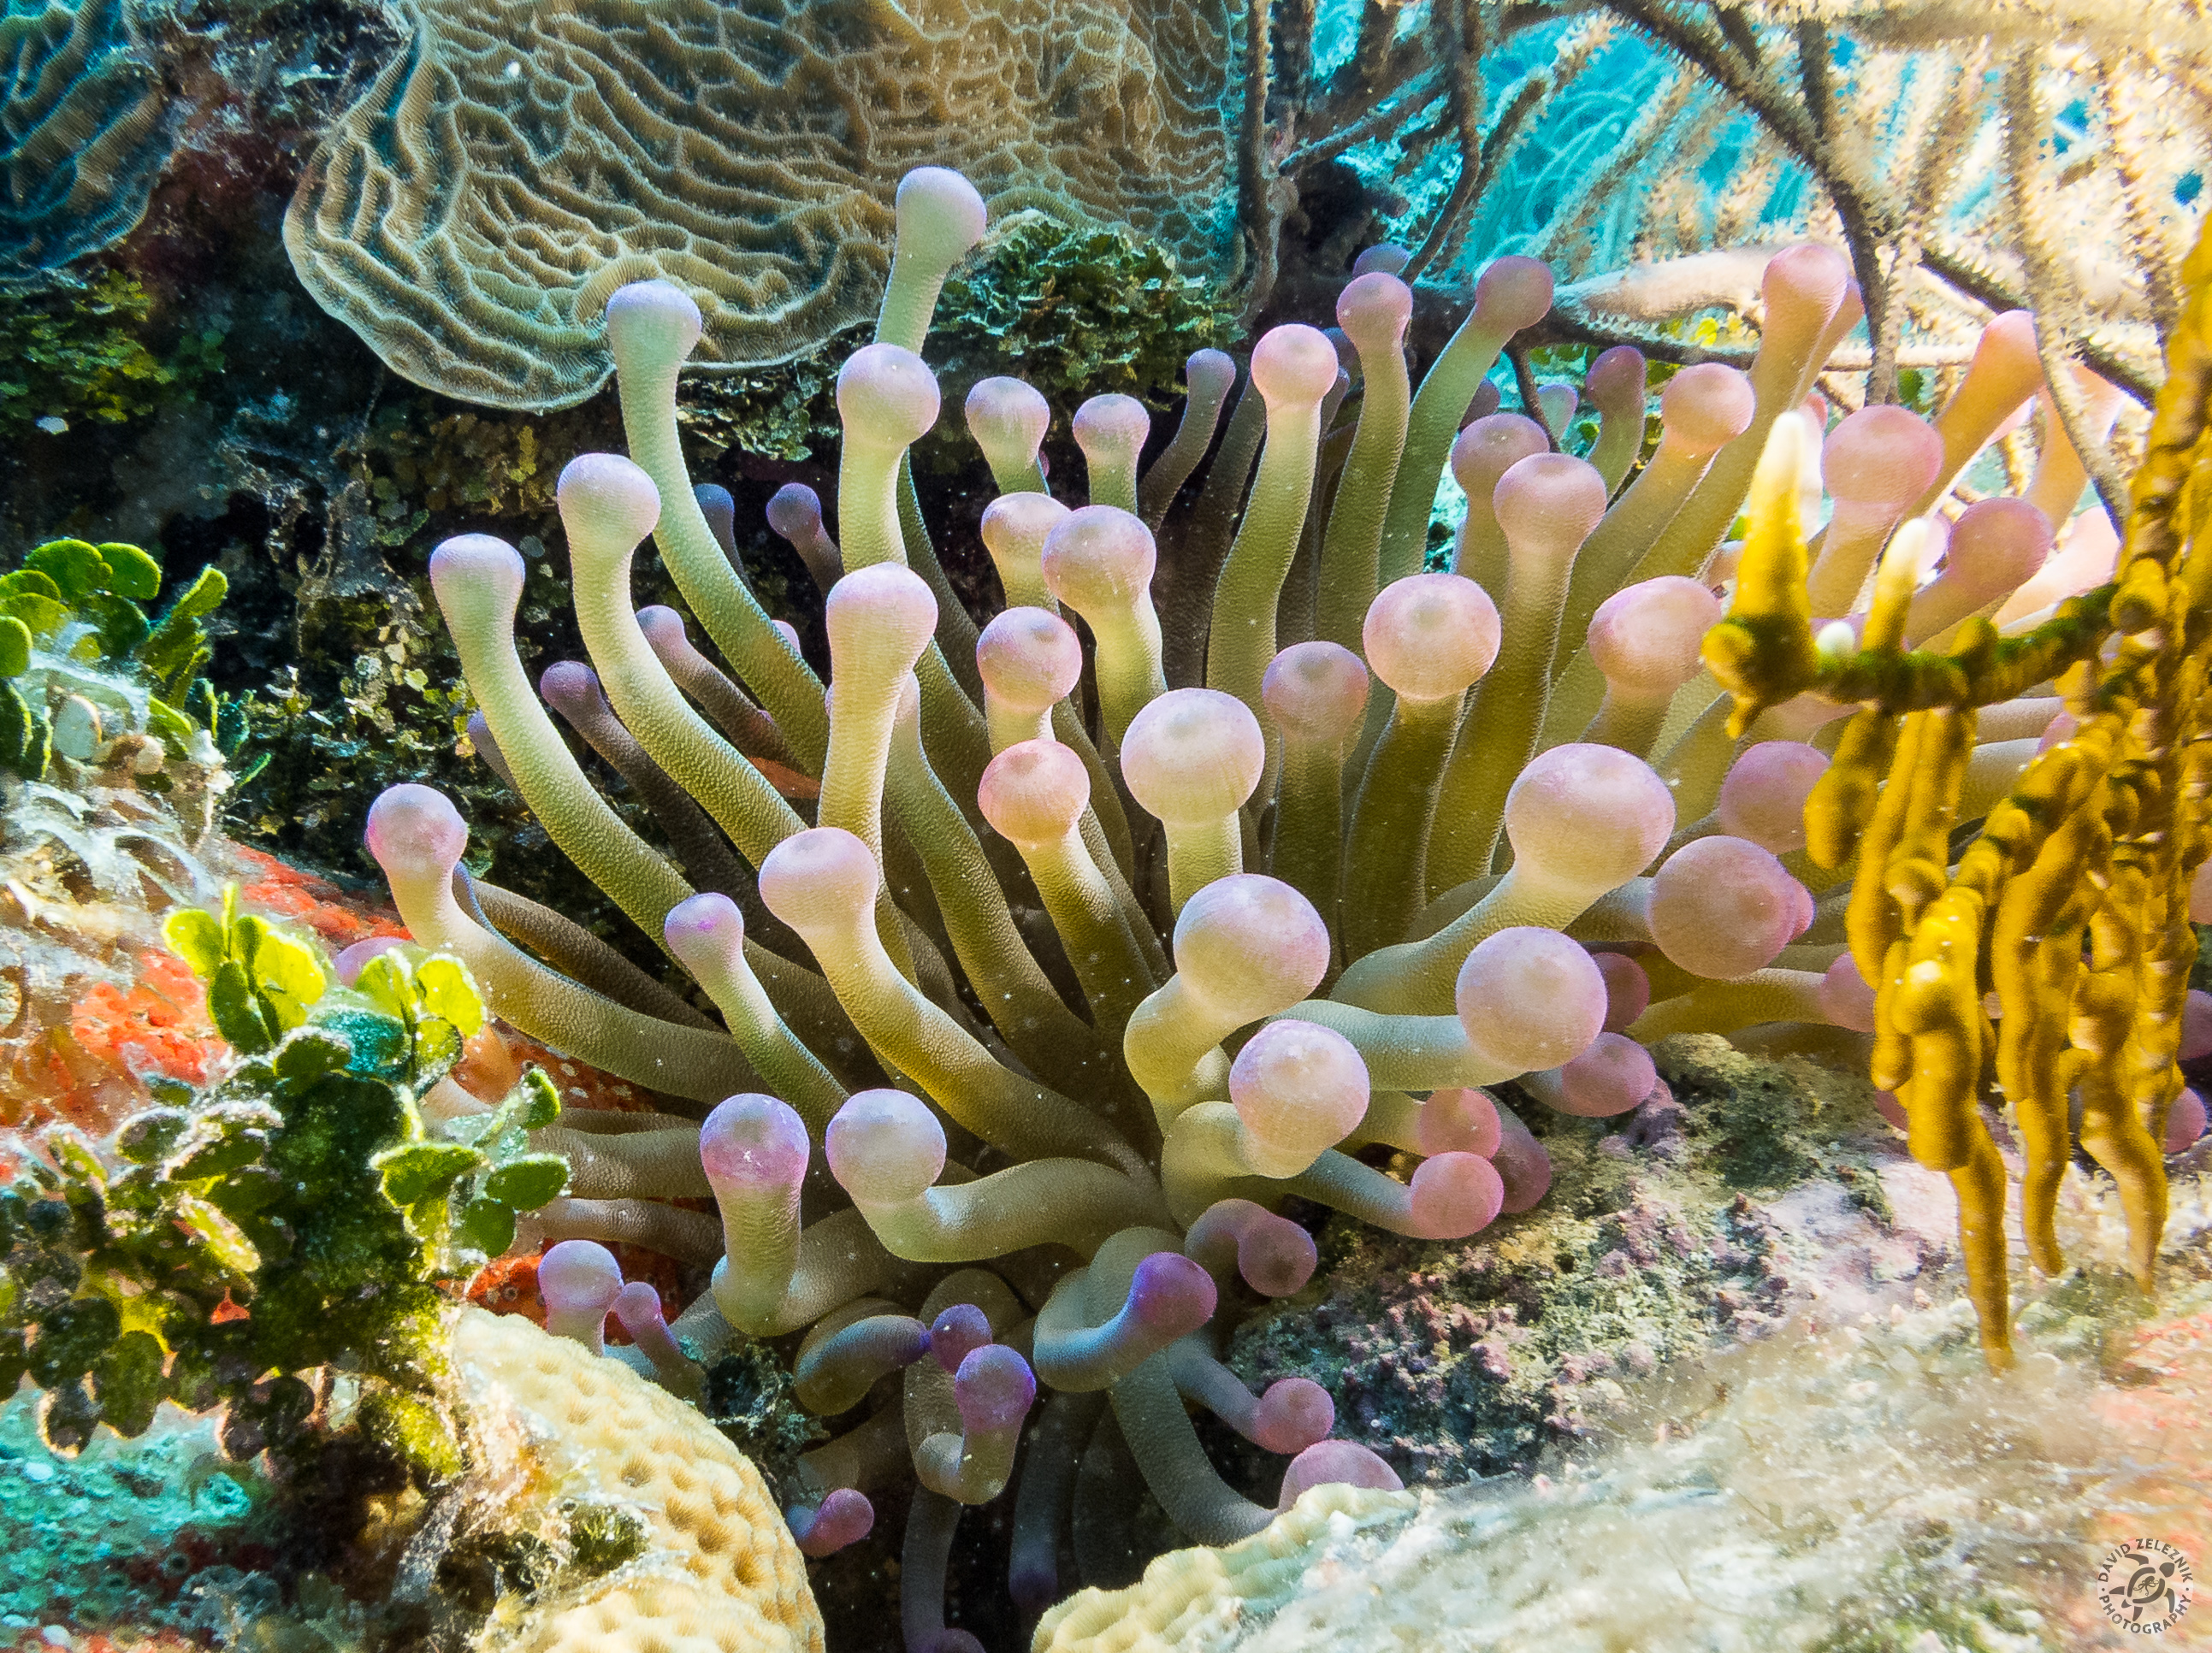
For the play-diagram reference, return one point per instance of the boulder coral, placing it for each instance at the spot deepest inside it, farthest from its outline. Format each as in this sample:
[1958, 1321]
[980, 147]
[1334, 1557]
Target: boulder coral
[1099, 947]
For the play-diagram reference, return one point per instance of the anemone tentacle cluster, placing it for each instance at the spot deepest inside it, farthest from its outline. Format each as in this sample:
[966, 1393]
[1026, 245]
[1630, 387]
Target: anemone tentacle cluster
[1098, 945]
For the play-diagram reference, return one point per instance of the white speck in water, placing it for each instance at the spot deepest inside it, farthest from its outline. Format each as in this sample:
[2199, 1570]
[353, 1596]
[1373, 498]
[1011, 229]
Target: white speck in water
[53, 424]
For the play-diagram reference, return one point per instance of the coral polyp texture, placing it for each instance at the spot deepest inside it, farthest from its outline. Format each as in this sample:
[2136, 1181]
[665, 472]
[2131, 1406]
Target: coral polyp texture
[471, 215]
[1119, 931]
[85, 129]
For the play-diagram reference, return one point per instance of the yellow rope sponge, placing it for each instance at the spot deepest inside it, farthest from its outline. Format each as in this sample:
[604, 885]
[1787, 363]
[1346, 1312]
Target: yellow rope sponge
[1189, 1599]
[2069, 908]
[721, 1572]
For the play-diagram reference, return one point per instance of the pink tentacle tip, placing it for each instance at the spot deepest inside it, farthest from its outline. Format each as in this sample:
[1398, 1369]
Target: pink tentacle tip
[1886, 1104]
[1033, 793]
[1273, 1254]
[350, 963]
[1461, 1120]
[1006, 413]
[477, 563]
[579, 1280]
[415, 829]
[1611, 1077]
[571, 686]
[1845, 998]
[1295, 1412]
[642, 309]
[1627, 989]
[2196, 1027]
[1491, 446]
[1763, 799]
[1706, 406]
[884, 1147]
[940, 209]
[1523, 1164]
[1250, 946]
[753, 1144]
[1099, 557]
[1530, 998]
[1454, 1194]
[1592, 816]
[1429, 636]
[1808, 283]
[844, 1517]
[1881, 459]
[957, 1333]
[819, 878]
[1328, 1463]
[1193, 755]
[1209, 373]
[1383, 255]
[1171, 1295]
[1299, 1088]
[1997, 544]
[794, 512]
[1513, 293]
[1645, 637]
[2185, 1122]
[887, 395]
[1615, 381]
[1722, 907]
[1293, 365]
[993, 1389]
[705, 932]
[1029, 657]
[1314, 692]
[1549, 502]
[1110, 424]
[885, 614]
[605, 494]
[637, 1307]
[1373, 310]
[664, 629]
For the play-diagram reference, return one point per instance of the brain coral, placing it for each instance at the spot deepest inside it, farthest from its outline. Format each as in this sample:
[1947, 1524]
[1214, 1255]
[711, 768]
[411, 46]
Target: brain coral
[719, 1570]
[84, 130]
[522, 159]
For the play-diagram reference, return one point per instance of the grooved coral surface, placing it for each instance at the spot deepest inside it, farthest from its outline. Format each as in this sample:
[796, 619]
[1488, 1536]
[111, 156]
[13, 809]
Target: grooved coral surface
[84, 131]
[721, 1573]
[470, 216]
[1200, 1598]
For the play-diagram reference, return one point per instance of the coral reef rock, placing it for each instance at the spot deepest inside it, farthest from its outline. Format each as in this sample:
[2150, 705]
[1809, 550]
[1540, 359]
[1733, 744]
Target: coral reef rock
[1857, 1482]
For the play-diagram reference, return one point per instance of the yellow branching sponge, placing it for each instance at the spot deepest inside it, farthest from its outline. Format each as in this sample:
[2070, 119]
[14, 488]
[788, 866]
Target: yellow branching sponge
[1189, 1599]
[720, 1574]
[2071, 904]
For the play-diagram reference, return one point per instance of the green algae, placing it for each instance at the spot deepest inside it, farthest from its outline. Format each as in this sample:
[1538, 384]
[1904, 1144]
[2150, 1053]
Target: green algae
[294, 1214]
[82, 348]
